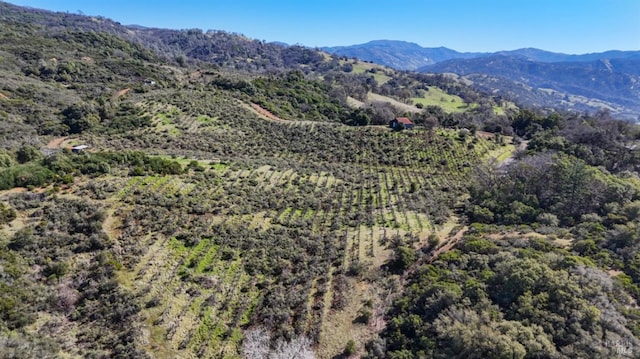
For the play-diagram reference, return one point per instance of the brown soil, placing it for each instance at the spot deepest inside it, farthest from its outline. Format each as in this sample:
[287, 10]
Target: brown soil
[448, 243]
[503, 235]
[485, 135]
[15, 190]
[613, 272]
[122, 92]
[56, 143]
[3, 96]
[196, 74]
[264, 113]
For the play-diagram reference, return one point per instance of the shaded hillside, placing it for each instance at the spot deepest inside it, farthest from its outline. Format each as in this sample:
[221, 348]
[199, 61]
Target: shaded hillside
[65, 81]
[547, 56]
[398, 54]
[178, 46]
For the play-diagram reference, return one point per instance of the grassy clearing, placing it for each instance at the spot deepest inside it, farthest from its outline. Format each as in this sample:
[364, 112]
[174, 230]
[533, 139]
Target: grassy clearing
[204, 119]
[403, 106]
[437, 97]
[341, 326]
[164, 123]
[379, 75]
[502, 153]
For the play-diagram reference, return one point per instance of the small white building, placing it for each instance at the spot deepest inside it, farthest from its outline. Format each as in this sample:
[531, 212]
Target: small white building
[79, 148]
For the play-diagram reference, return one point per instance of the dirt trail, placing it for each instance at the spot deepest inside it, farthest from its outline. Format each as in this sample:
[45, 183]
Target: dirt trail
[521, 147]
[448, 244]
[3, 96]
[264, 113]
[55, 143]
[122, 92]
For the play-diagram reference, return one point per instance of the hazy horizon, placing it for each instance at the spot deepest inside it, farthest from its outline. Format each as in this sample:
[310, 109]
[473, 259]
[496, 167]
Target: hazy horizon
[568, 26]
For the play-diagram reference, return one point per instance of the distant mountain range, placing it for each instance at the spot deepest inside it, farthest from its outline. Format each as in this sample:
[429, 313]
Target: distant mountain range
[587, 82]
[404, 55]
[400, 55]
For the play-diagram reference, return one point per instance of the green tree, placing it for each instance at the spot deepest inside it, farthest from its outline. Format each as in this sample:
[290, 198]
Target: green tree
[404, 257]
[27, 153]
[80, 117]
[7, 214]
[6, 160]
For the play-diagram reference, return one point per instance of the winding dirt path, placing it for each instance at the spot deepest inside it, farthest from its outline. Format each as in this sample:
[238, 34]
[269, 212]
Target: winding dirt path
[264, 113]
[55, 143]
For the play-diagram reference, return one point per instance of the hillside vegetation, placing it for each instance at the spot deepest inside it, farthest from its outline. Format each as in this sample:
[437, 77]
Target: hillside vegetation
[529, 76]
[232, 205]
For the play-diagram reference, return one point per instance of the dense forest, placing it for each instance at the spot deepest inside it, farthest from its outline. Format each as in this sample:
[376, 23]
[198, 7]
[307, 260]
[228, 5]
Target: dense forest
[248, 200]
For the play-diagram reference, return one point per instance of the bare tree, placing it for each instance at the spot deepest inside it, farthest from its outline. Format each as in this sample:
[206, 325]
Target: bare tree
[298, 348]
[256, 346]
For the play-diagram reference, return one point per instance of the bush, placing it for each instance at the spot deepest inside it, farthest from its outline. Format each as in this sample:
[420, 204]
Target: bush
[27, 153]
[548, 219]
[6, 160]
[31, 175]
[403, 259]
[7, 214]
[433, 241]
[7, 180]
[364, 316]
[350, 348]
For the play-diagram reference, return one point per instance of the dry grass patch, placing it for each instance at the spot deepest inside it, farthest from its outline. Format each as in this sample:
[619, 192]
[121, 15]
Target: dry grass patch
[340, 326]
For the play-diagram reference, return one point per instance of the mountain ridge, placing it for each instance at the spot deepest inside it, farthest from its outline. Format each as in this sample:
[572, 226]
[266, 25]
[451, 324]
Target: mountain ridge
[442, 53]
[596, 81]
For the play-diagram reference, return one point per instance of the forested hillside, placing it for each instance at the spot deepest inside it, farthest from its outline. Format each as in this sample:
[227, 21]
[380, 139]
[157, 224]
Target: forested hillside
[246, 200]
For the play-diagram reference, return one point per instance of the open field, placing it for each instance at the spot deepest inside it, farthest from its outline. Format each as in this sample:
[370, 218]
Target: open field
[437, 97]
[380, 77]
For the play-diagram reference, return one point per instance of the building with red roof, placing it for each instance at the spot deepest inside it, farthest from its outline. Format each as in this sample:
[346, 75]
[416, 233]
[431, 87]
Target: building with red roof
[399, 123]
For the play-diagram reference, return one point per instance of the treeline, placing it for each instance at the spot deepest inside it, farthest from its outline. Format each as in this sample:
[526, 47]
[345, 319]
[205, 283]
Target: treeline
[548, 189]
[572, 166]
[28, 167]
[513, 298]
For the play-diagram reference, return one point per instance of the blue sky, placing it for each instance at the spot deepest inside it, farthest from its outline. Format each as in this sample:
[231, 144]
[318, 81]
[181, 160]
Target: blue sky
[569, 26]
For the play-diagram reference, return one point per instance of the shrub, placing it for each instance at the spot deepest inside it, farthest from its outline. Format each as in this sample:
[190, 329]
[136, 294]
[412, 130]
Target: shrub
[7, 214]
[403, 258]
[350, 348]
[31, 174]
[548, 219]
[433, 240]
[27, 153]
